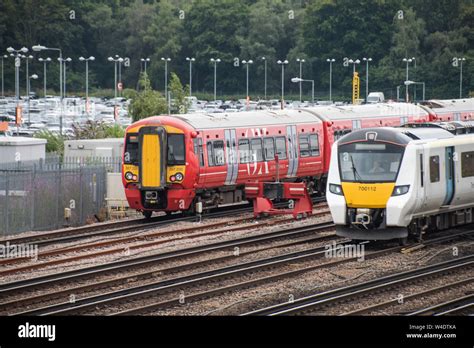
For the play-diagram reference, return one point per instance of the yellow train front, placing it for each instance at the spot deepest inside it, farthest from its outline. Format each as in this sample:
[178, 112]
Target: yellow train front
[362, 179]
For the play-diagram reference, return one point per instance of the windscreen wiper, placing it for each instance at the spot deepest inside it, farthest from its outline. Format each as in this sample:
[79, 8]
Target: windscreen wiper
[354, 170]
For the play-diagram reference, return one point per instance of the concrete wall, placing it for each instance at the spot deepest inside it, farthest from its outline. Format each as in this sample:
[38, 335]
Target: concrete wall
[16, 149]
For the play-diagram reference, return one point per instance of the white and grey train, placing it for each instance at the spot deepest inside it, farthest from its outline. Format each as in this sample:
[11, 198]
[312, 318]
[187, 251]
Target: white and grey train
[388, 183]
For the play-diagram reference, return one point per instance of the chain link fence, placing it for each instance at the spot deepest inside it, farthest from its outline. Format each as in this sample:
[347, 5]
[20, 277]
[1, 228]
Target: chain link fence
[53, 193]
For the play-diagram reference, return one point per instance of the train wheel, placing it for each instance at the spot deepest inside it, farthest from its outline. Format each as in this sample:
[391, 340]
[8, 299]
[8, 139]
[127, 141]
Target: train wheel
[403, 241]
[147, 214]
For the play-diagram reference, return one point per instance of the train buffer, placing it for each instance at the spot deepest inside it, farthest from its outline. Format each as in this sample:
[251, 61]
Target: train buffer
[263, 195]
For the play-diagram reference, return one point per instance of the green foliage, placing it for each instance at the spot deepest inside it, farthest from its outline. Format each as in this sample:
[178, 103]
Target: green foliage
[178, 94]
[97, 130]
[433, 31]
[54, 141]
[147, 102]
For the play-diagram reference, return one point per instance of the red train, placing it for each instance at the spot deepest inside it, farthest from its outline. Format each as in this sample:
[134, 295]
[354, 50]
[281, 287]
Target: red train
[172, 162]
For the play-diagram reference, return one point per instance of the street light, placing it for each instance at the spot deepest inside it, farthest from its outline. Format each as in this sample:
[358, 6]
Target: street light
[247, 63]
[39, 48]
[34, 77]
[301, 61]
[215, 61]
[64, 62]
[117, 60]
[166, 60]
[407, 83]
[330, 61]
[300, 80]
[265, 62]
[366, 60]
[408, 61]
[190, 60]
[460, 74]
[17, 54]
[354, 62]
[144, 60]
[3, 88]
[282, 63]
[44, 61]
[82, 59]
[27, 58]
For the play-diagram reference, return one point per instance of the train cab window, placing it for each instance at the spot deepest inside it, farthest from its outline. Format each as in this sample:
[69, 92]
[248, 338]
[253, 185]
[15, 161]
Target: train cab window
[269, 148]
[304, 145]
[280, 143]
[218, 149]
[256, 150]
[244, 150]
[131, 149]
[434, 168]
[197, 142]
[313, 145]
[176, 149]
[467, 164]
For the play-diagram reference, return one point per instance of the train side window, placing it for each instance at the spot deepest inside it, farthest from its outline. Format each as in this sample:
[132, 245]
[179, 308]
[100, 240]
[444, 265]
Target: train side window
[281, 147]
[434, 168]
[198, 151]
[467, 164]
[269, 148]
[256, 150]
[244, 150]
[210, 156]
[131, 149]
[313, 145]
[218, 149]
[304, 145]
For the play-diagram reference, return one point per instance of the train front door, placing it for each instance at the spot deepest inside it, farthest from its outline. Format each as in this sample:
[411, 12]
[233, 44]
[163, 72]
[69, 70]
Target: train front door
[449, 153]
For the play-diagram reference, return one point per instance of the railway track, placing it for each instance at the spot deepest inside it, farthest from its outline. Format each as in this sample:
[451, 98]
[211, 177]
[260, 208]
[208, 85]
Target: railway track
[145, 240]
[347, 294]
[123, 302]
[452, 307]
[148, 261]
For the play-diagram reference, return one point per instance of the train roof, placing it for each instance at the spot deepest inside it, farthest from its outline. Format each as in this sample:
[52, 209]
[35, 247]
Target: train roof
[379, 110]
[247, 119]
[454, 127]
[450, 105]
[401, 136]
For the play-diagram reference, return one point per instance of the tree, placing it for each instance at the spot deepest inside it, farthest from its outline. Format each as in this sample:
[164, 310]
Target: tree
[178, 94]
[147, 102]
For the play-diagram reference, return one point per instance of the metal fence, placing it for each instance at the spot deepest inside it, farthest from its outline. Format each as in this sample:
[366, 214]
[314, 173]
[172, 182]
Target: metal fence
[53, 193]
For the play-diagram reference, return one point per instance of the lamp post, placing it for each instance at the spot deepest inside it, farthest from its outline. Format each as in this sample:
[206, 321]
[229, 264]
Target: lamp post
[166, 60]
[455, 62]
[82, 59]
[247, 63]
[27, 88]
[44, 61]
[116, 60]
[215, 61]
[330, 61]
[300, 80]
[408, 61]
[190, 60]
[3, 87]
[64, 61]
[301, 61]
[144, 60]
[265, 63]
[34, 77]
[38, 48]
[407, 83]
[366, 60]
[17, 54]
[282, 63]
[354, 62]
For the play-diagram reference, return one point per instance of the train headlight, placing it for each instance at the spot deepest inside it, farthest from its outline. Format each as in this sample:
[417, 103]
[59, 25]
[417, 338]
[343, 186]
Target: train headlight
[128, 175]
[400, 190]
[179, 176]
[336, 189]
